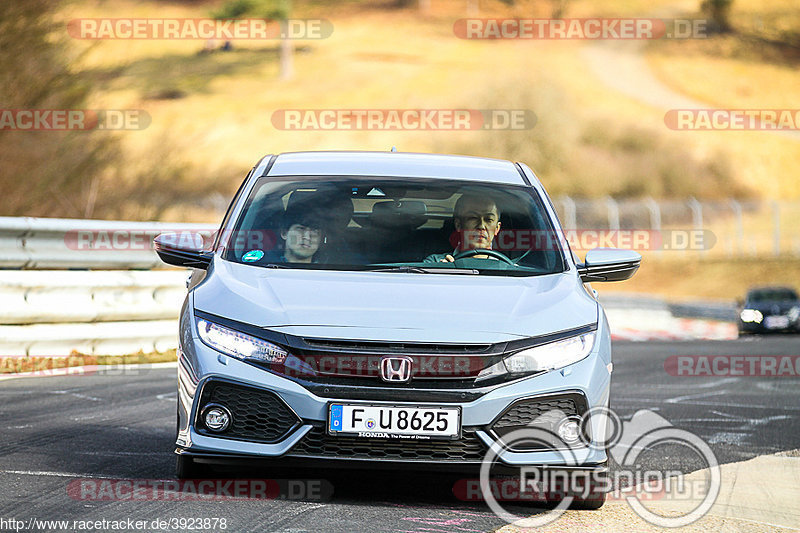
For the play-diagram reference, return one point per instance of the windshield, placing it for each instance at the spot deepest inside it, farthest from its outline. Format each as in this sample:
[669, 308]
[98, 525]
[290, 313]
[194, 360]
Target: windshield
[395, 225]
[772, 295]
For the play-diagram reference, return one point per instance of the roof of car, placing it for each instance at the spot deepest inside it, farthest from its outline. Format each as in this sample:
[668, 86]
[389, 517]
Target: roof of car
[395, 164]
[770, 288]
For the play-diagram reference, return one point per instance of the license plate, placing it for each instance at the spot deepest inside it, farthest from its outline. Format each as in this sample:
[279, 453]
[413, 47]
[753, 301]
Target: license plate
[776, 322]
[394, 421]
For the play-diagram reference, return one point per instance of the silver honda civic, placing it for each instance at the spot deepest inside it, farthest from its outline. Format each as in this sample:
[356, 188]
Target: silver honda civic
[365, 309]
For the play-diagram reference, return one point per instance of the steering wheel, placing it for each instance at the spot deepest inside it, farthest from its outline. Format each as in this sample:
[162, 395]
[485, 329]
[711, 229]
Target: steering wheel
[483, 251]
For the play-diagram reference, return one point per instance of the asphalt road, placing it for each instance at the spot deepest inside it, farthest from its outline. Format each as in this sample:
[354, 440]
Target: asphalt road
[57, 430]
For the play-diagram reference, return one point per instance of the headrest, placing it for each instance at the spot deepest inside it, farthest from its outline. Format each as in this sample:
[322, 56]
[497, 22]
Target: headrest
[336, 207]
[406, 214]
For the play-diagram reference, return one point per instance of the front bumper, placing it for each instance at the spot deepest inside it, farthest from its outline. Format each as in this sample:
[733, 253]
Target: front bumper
[307, 443]
[762, 327]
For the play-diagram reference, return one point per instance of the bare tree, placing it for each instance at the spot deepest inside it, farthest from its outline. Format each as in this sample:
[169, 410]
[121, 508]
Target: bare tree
[45, 172]
[718, 12]
[279, 10]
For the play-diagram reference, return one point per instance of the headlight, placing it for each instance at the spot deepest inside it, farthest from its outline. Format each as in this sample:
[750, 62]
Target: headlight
[794, 314]
[751, 315]
[545, 357]
[238, 344]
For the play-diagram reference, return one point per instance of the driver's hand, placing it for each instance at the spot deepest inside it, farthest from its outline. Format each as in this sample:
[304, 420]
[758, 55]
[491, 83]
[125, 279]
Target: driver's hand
[447, 259]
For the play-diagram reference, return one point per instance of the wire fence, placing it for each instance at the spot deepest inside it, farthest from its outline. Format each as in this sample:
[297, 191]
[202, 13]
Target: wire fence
[723, 228]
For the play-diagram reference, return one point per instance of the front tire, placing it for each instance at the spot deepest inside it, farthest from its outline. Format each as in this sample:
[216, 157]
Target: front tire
[591, 494]
[187, 468]
[592, 502]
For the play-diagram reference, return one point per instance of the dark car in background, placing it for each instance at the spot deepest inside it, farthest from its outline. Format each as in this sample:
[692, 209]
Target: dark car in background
[770, 309]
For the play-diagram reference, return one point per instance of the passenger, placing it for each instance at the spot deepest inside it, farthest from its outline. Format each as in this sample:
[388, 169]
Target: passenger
[301, 231]
[477, 223]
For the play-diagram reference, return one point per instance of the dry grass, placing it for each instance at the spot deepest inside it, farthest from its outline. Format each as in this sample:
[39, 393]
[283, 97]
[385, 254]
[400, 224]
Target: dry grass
[756, 67]
[712, 71]
[689, 278]
[381, 57]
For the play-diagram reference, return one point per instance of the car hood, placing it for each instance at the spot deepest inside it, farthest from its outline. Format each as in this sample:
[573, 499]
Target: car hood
[395, 306]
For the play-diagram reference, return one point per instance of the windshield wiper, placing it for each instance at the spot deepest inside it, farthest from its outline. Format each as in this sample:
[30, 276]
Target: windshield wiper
[421, 270]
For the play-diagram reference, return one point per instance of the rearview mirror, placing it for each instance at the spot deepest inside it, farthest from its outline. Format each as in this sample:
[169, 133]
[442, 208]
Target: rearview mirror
[183, 250]
[609, 264]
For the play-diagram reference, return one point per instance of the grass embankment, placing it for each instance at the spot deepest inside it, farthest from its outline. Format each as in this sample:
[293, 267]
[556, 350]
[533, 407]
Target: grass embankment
[211, 113]
[753, 67]
[714, 279]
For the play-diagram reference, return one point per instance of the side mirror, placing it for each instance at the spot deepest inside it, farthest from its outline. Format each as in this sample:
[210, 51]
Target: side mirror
[609, 264]
[183, 250]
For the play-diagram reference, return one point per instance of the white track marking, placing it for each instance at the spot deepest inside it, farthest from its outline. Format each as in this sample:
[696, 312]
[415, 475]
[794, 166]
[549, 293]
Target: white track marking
[39, 473]
[677, 399]
[81, 396]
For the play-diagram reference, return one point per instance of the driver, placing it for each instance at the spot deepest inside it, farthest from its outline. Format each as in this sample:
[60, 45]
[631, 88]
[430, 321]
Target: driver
[477, 223]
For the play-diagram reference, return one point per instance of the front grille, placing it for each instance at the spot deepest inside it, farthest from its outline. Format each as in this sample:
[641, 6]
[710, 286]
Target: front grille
[526, 411]
[258, 415]
[339, 368]
[321, 445]
[397, 347]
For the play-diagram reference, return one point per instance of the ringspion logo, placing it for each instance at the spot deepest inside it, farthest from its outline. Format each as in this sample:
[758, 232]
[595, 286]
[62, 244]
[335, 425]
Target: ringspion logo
[647, 434]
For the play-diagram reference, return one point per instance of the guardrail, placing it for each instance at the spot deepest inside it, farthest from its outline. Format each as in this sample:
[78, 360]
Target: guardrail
[108, 303]
[48, 312]
[731, 227]
[40, 243]
[65, 296]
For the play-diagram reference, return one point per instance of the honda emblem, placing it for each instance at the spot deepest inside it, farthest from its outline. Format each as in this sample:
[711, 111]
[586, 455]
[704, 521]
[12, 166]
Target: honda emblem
[397, 369]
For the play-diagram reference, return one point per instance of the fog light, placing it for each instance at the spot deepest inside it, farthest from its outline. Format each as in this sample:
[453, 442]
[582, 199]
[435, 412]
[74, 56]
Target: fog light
[217, 418]
[569, 431]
